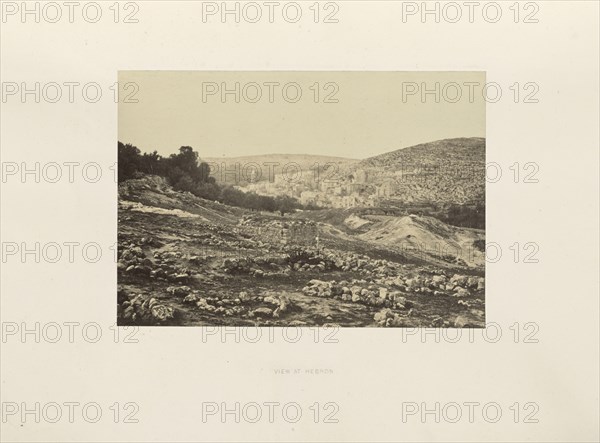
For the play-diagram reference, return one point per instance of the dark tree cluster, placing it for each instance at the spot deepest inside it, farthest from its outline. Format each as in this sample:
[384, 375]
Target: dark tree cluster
[467, 216]
[186, 172]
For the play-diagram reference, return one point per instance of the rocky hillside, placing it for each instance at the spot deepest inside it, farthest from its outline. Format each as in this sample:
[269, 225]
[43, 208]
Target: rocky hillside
[444, 171]
[152, 194]
[183, 260]
[454, 151]
[426, 236]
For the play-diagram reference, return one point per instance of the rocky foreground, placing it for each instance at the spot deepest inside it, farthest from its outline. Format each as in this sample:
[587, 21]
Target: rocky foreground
[201, 265]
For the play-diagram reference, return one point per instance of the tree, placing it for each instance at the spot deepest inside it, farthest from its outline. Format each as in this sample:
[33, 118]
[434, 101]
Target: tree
[285, 204]
[209, 191]
[185, 183]
[185, 172]
[152, 164]
[186, 160]
[128, 158]
[232, 196]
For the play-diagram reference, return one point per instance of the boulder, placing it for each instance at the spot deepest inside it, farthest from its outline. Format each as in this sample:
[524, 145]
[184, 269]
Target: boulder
[284, 304]
[439, 279]
[398, 298]
[263, 312]
[481, 283]
[190, 298]
[437, 322]
[460, 322]
[271, 300]
[203, 304]
[460, 280]
[383, 315]
[180, 291]
[396, 322]
[161, 313]
[462, 292]
[296, 323]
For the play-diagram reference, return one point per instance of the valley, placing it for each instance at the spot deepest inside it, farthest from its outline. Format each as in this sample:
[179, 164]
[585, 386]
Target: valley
[186, 261]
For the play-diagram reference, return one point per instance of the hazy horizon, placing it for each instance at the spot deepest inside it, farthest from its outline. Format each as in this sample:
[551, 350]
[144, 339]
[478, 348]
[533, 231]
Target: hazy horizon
[299, 154]
[177, 108]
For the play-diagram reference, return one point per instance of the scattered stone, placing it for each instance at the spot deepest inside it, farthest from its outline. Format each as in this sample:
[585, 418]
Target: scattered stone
[437, 322]
[460, 280]
[142, 310]
[203, 304]
[296, 323]
[383, 315]
[460, 322]
[162, 313]
[439, 279]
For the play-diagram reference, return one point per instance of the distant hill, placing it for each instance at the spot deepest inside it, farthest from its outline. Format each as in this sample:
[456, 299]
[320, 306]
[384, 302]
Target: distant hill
[456, 150]
[443, 171]
[446, 172]
[305, 162]
[298, 158]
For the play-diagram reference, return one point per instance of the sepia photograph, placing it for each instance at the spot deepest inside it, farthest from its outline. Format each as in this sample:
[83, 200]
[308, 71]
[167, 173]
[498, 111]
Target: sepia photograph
[299, 221]
[351, 199]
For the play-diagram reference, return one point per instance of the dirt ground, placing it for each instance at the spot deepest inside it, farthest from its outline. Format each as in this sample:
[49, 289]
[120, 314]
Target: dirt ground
[211, 267]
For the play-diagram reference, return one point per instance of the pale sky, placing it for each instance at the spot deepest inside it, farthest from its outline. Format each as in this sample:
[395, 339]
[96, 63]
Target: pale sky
[372, 116]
